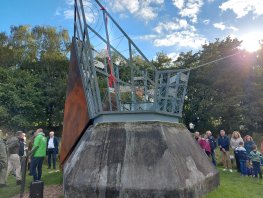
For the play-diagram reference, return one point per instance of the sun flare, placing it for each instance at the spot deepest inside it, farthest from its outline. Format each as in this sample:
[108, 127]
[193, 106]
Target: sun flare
[251, 41]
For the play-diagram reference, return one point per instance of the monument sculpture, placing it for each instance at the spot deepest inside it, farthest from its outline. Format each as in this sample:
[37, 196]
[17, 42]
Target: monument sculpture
[121, 134]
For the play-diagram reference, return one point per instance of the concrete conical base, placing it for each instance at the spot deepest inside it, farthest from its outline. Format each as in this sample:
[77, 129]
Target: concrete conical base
[138, 159]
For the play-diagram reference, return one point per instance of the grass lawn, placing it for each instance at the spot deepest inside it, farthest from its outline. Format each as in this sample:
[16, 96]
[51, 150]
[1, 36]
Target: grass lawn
[232, 185]
[49, 176]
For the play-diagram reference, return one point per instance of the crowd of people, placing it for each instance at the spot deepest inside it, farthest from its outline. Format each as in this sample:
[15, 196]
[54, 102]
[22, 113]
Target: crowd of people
[16, 149]
[247, 157]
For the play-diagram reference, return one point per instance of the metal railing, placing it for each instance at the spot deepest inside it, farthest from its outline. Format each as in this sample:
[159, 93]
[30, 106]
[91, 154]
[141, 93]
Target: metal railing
[116, 75]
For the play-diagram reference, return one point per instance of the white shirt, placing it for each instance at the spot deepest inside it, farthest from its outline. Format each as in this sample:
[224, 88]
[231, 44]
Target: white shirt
[51, 143]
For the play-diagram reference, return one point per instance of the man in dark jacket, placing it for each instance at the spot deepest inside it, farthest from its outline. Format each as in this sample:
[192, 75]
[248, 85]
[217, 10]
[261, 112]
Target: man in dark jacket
[213, 145]
[224, 143]
[21, 152]
[52, 149]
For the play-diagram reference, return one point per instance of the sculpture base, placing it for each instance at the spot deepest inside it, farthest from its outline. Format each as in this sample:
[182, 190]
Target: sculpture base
[138, 159]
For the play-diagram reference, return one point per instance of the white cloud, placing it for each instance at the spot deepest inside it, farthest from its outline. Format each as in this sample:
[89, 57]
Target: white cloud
[171, 26]
[206, 21]
[89, 12]
[69, 14]
[147, 13]
[146, 10]
[146, 37]
[175, 33]
[233, 28]
[189, 8]
[58, 12]
[243, 7]
[183, 39]
[70, 2]
[173, 56]
[222, 26]
[179, 3]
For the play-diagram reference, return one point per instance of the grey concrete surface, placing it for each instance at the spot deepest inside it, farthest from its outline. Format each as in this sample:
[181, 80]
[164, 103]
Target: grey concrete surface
[140, 160]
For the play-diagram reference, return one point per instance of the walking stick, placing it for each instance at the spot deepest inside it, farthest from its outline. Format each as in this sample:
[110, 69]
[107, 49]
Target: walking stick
[23, 170]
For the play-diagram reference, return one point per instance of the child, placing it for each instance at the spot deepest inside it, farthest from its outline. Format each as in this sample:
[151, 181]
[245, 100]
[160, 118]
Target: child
[256, 157]
[241, 154]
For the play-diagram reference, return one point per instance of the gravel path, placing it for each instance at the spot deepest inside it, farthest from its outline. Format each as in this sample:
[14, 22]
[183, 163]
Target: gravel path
[50, 191]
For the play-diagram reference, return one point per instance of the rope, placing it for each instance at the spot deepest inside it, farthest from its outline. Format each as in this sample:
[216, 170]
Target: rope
[214, 61]
[112, 78]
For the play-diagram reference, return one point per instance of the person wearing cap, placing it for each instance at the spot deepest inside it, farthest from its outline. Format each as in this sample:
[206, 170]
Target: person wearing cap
[3, 161]
[13, 146]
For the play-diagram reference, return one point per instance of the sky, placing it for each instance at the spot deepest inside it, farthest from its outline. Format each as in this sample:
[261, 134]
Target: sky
[171, 26]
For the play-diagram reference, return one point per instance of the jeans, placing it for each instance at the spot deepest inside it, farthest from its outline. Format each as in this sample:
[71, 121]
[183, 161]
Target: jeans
[256, 167]
[213, 156]
[237, 163]
[52, 154]
[37, 167]
[243, 167]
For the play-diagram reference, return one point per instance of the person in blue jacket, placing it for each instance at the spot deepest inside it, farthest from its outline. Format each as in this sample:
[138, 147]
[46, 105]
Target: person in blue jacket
[224, 143]
[248, 143]
[242, 156]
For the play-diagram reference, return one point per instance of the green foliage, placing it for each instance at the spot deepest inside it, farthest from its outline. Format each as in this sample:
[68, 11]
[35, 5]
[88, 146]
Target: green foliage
[19, 97]
[33, 75]
[226, 94]
[162, 61]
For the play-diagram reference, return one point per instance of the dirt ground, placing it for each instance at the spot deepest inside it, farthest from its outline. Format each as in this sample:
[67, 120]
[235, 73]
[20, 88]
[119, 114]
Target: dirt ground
[51, 191]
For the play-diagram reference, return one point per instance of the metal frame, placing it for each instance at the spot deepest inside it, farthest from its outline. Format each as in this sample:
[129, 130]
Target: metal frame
[136, 89]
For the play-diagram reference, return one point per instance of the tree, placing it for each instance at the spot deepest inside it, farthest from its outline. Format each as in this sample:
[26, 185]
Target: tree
[19, 99]
[41, 53]
[218, 92]
[162, 61]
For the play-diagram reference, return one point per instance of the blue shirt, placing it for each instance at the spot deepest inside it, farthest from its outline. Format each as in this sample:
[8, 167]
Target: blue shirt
[224, 142]
[248, 146]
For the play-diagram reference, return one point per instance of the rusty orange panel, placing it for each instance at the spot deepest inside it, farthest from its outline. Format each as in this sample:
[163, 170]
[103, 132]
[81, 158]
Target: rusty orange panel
[75, 111]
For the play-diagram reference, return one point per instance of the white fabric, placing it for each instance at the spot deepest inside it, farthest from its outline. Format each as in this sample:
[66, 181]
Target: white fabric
[51, 143]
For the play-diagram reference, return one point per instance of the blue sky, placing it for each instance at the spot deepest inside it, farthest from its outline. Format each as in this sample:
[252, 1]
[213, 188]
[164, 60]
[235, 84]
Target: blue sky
[172, 26]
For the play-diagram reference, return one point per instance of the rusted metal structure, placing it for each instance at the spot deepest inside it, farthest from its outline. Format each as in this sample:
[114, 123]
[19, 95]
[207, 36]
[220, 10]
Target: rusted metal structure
[111, 80]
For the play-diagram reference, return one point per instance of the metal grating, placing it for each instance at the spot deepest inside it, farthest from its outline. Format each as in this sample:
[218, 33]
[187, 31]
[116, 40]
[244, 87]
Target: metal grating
[116, 75]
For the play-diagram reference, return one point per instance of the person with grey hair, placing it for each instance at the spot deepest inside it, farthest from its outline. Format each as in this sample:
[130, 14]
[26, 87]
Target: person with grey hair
[52, 149]
[13, 147]
[224, 144]
[3, 161]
